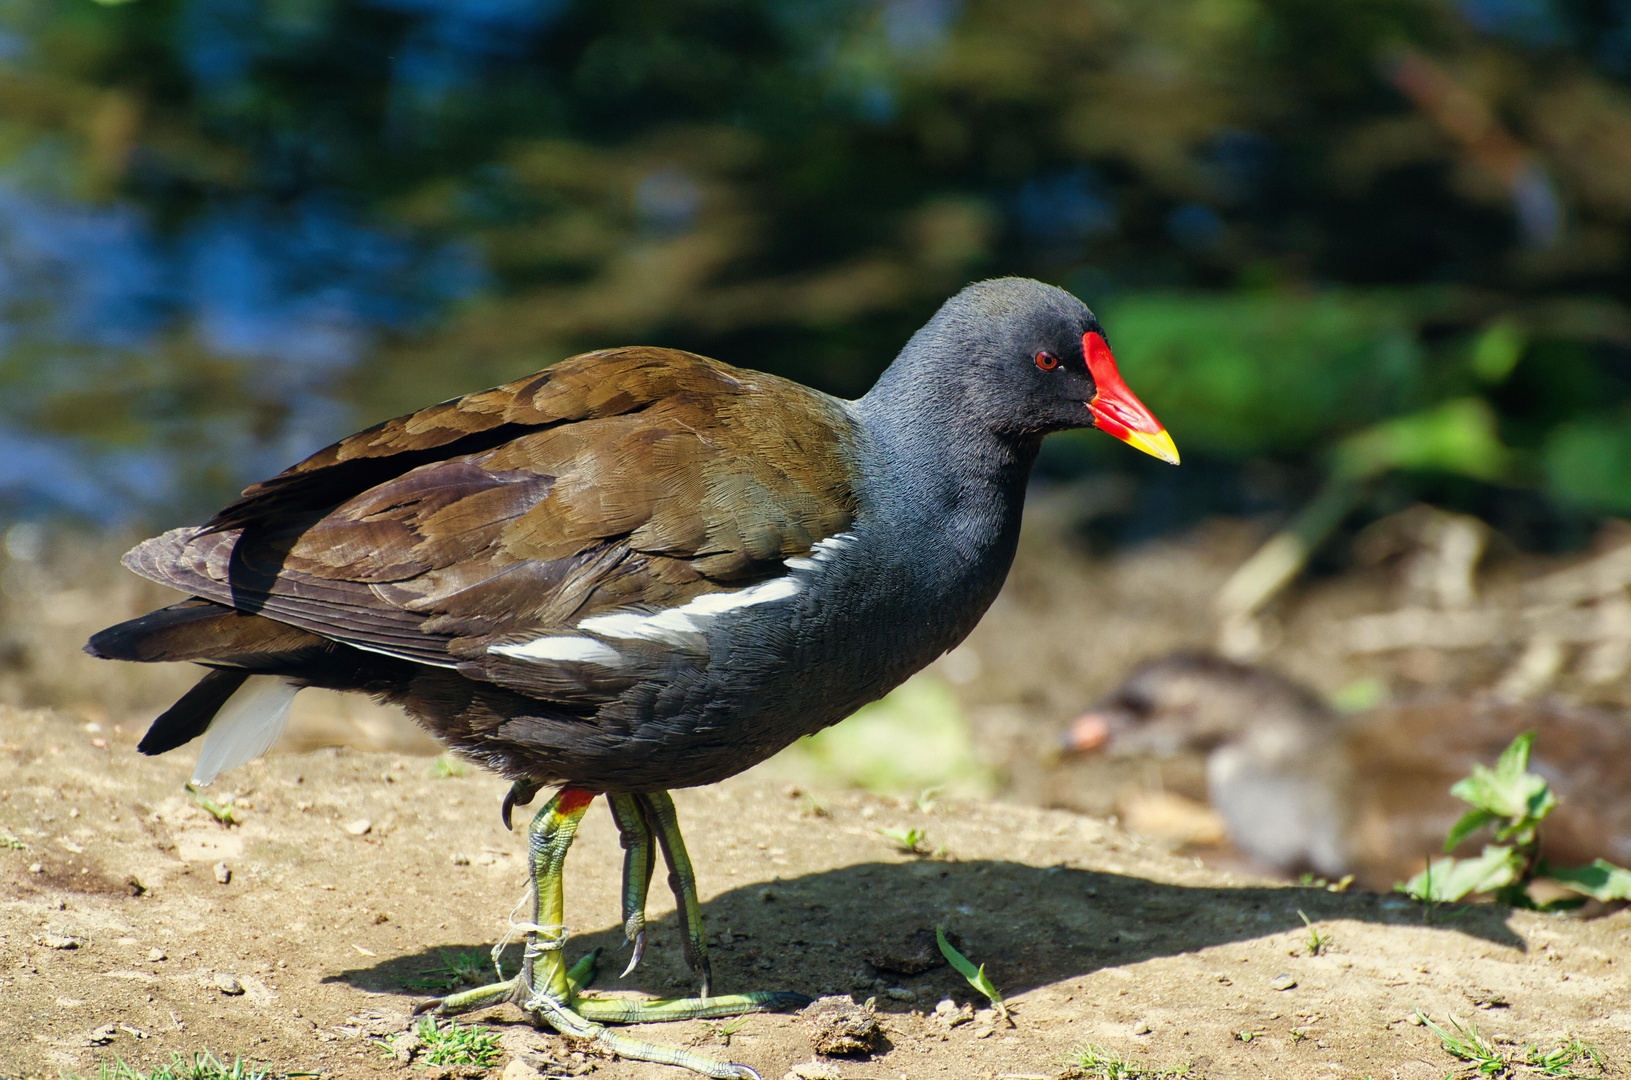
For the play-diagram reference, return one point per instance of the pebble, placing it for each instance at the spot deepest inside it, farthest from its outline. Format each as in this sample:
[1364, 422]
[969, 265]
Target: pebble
[36, 868]
[155, 955]
[61, 941]
[102, 1035]
[223, 873]
[360, 827]
[1282, 981]
[1141, 1028]
[900, 993]
[813, 1070]
[228, 984]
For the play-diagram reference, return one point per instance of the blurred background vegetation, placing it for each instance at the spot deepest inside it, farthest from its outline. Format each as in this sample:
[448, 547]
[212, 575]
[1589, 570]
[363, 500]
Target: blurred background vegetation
[1391, 232]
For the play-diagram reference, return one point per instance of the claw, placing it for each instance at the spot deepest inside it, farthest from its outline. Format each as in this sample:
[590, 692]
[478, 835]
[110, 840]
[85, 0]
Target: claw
[520, 794]
[639, 951]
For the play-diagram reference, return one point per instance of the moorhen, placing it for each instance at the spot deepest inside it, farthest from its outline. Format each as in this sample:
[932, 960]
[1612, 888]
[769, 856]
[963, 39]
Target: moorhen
[1301, 788]
[636, 570]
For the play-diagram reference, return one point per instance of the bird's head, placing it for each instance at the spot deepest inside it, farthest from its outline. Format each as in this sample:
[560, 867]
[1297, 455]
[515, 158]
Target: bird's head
[1034, 360]
[1192, 703]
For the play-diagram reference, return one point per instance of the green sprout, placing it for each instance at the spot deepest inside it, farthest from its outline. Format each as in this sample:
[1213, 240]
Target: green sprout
[201, 1066]
[463, 968]
[458, 1044]
[908, 841]
[1469, 1044]
[1100, 1063]
[722, 1031]
[1513, 802]
[976, 977]
[1317, 942]
[445, 766]
[222, 811]
[12, 843]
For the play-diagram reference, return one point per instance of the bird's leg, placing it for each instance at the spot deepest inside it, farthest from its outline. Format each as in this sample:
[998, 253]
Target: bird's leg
[635, 836]
[682, 879]
[549, 991]
[548, 838]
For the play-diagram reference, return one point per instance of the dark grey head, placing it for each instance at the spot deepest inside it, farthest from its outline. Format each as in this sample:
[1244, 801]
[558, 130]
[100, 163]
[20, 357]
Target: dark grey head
[1024, 359]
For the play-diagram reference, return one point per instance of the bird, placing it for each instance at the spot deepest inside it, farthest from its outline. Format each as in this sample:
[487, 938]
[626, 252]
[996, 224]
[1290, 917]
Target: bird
[1304, 789]
[635, 570]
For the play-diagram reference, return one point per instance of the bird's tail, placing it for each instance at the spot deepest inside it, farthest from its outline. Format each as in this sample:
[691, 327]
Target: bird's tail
[239, 711]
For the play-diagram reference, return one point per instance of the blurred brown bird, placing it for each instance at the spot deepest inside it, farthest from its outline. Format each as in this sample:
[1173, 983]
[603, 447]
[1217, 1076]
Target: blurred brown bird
[1303, 789]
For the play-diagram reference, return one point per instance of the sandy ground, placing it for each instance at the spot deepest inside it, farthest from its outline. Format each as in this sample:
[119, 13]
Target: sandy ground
[353, 872]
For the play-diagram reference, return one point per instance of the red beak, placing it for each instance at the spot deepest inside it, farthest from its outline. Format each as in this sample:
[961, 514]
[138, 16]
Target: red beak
[1116, 411]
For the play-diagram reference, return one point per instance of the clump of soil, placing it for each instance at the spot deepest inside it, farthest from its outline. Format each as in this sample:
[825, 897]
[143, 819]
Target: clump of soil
[839, 1027]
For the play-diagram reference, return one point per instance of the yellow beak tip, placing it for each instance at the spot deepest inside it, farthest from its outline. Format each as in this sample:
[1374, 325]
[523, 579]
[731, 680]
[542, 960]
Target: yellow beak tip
[1158, 445]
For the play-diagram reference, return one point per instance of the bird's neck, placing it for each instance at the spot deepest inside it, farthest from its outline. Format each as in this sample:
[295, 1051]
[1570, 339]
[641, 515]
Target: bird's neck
[946, 476]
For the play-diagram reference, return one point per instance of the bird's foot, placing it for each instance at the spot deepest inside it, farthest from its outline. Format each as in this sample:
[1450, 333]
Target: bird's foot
[583, 1017]
[517, 991]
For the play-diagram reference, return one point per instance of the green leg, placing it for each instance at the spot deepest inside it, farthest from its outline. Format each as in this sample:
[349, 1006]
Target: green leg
[548, 838]
[635, 836]
[682, 880]
[548, 990]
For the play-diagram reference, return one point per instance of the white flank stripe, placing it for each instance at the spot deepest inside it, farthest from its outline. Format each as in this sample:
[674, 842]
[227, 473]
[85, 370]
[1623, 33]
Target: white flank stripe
[580, 650]
[246, 727]
[676, 627]
[821, 551]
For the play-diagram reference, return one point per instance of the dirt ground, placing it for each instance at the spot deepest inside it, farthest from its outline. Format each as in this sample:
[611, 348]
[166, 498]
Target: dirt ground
[352, 873]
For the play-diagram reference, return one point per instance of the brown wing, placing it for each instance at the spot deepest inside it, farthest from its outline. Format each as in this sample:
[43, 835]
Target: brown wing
[627, 480]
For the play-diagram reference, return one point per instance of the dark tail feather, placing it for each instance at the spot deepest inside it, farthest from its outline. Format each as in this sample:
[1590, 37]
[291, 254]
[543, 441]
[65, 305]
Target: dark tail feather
[200, 630]
[187, 718]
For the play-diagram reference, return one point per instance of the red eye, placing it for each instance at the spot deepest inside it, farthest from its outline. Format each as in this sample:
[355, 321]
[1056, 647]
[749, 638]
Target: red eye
[1046, 361]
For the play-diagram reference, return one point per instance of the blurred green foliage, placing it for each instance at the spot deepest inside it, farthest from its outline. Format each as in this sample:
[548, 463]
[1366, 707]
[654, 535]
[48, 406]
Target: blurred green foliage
[1365, 237]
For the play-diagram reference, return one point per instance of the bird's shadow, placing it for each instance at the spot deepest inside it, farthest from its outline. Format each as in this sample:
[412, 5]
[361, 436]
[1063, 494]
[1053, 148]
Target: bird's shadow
[1030, 926]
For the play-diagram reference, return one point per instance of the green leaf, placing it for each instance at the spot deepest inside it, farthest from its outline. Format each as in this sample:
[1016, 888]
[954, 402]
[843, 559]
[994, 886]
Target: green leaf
[1498, 350]
[976, 976]
[1509, 790]
[1447, 880]
[1458, 436]
[1602, 880]
[1470, 822]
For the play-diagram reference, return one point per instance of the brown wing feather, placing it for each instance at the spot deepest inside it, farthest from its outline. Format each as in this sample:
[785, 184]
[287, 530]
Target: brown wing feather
[636, 478]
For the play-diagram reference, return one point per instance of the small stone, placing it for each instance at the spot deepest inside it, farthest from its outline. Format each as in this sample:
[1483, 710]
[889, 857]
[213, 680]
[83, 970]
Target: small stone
[360, 827]
[102, 1035]
[154, 955]
[518, 1069]
[1141, 1028]
[36, 868]
[223, 873]
[1282, 981]
[228, 984]
[61, 941]
[813, 1070]
[900, 993]
[982, 1033]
